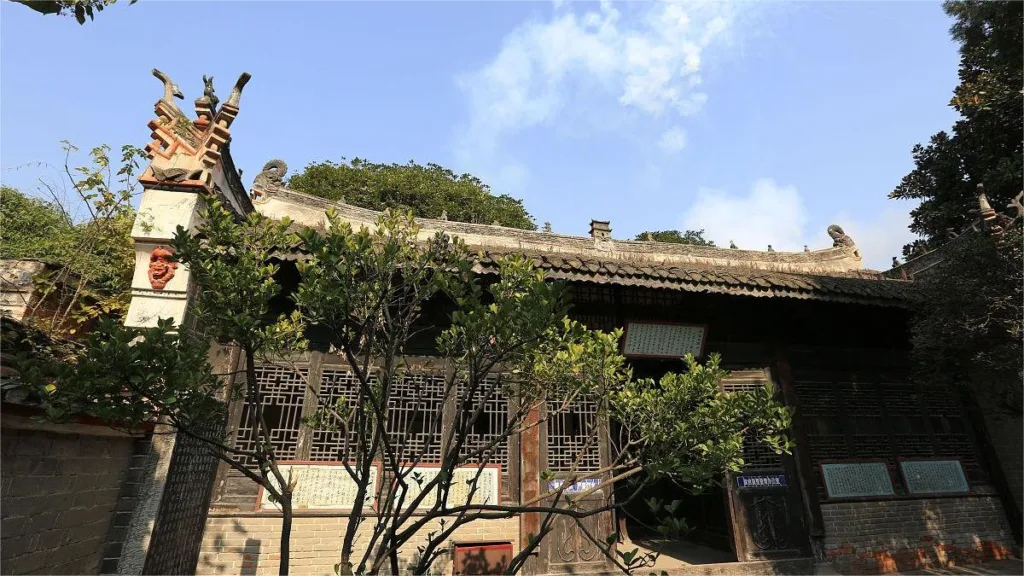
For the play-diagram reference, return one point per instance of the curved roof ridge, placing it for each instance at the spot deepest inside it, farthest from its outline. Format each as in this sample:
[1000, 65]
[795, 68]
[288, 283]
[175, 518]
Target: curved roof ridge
[275, 200]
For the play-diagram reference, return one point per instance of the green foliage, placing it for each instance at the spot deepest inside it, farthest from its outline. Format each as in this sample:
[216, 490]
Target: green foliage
[230, 262]
[986, 145]
[971, 318]
[426, 190]
[131, 376]
[93, 257]
[693, 237]
[80, 9]
[690, 431]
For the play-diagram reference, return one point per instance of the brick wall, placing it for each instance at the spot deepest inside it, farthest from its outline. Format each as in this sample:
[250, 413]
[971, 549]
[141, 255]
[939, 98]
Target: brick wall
[59, 496]
[237, 545]
[886, 536]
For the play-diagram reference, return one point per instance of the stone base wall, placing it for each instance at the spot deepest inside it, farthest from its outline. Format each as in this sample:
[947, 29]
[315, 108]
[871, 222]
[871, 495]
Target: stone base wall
[244, 545]
[59, 497]
[900, 535]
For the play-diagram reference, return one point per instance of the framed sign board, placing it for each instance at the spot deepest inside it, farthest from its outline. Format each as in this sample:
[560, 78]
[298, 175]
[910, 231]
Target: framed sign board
[663, 340]
[488, 485]
[857, 479]
[934, 477]
[321, 486]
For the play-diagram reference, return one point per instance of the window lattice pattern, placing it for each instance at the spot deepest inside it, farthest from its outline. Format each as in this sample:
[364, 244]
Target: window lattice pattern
[491, 424]
[568, 431]
[282, 393]
[329, 445]
[816, 398]
[644, 297]
[414, 416]
[595, 321]
[756, 454]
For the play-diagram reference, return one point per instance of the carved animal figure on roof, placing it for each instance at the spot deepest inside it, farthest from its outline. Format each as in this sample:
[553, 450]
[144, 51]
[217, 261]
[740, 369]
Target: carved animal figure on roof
[236, 92]
[839, 238]
[171, 90]
[273, 173]
[208, 92]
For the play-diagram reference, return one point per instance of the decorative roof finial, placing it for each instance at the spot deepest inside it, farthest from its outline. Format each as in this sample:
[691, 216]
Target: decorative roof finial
[547, 226]
[444, 215]
[839, 238]
[495, 223]
[649, 237]
[209, 94]
[895, 262]
[987, 213]
[171, 90]
[272, 175]
[770, 249]
[236, 92]
[733, 245]
[806, 249]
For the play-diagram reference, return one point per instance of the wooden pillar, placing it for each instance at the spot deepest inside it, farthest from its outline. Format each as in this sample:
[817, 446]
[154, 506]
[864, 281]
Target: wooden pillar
[784, 376]
[529, 482]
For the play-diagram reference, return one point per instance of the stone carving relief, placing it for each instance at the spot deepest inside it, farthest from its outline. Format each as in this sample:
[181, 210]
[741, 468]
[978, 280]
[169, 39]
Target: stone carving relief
[839, 238]
[272, 175]
[161, 267]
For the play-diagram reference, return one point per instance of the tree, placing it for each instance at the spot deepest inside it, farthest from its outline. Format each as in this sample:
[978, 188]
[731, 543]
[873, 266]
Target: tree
[80, 9]
[429, 191]
[364, 292]
[83, 229]
[985, 146]
[968, 325]
[693, 237]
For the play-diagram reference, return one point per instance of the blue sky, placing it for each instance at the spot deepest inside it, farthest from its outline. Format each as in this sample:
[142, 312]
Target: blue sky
[761, 122]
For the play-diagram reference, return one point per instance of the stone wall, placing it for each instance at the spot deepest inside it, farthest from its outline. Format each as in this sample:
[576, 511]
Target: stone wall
[886, 536]
[250, 544]
[60, 493]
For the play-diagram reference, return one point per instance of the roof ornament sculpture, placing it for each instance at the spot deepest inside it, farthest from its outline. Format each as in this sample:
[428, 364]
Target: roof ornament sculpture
[236, 91]
[547, 227]
[272, 175]
[171, 90]
[770, 249]
[839, 238]
[733, 245]
[895, 262]
[806, 249]
[209, 94]
[444, 215]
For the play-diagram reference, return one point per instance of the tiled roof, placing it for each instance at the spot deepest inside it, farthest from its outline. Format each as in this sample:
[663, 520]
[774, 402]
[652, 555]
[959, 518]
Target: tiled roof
[866, 287]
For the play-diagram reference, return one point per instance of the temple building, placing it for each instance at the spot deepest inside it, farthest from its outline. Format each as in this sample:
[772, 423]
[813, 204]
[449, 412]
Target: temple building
[887, 473]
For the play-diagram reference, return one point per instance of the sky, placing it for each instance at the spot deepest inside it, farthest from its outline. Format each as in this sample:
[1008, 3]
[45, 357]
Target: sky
[759, 122]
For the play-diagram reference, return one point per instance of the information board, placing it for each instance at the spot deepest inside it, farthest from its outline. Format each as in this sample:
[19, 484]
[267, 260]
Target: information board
[488, 485]
[934, 477]
[857, 479]
[321, 487]
[663, 340]
[761, 481]
[577, 486]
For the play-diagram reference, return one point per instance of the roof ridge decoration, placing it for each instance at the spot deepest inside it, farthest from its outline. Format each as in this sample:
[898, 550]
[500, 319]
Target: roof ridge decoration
[274, 199]
[183, 152]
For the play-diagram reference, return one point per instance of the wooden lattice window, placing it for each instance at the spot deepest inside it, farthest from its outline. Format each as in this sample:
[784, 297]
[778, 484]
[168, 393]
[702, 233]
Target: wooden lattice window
[329, 444]
[282, 394]
[570, 430]
[489, 426]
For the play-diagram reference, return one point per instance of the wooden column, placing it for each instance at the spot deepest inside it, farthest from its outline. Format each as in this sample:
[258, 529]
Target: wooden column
[529, 482]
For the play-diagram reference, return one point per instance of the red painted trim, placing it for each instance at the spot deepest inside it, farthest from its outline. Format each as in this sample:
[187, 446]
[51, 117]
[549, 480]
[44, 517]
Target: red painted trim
[274, 510]
[625, 335]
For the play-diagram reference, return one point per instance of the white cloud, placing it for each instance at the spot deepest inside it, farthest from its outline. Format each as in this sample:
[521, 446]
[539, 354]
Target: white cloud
[768, 214]
[773, 214]
[647, 58]
[673, 140]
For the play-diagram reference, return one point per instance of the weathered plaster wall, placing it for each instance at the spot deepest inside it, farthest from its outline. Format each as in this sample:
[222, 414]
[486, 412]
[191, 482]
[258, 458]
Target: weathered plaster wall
[887, 536]
[60, 494]
[242, 545]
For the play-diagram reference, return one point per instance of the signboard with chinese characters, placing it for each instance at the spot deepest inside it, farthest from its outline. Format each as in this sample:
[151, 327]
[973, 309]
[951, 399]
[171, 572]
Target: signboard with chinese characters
[934, 477]
[759, 482]
[488, 485]
[577, 486]
[857, 479]
[321, 487]
[660, 340]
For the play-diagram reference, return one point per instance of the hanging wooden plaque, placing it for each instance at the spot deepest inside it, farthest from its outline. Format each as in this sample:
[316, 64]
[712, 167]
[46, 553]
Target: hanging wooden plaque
[663, 340]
